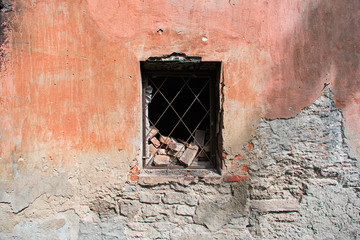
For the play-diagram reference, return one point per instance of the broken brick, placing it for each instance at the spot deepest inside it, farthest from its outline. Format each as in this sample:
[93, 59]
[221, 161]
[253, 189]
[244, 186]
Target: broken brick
[189, 154]
[134, 177]
[235, 178]
[176, 146]
[239, 157]
[155, 141]
[152, 149]
[162, 151]
[134, 170]
[165, 140]
[153, 131]
[161, 160]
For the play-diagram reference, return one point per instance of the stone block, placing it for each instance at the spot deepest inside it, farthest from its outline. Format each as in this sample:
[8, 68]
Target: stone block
[136, 226]
[129, 208]
[161, 160]
[132, 196]
[149, 198]
[156, 210]
[275, 205]
[211, 215]
[185, 210]
[180, 198]
[111, 227]
[164, 226]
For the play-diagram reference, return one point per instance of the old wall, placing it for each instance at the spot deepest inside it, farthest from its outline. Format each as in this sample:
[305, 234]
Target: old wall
[70, 115]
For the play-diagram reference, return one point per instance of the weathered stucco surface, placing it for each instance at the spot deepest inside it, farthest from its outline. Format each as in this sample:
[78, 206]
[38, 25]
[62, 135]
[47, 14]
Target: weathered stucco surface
[70, 119]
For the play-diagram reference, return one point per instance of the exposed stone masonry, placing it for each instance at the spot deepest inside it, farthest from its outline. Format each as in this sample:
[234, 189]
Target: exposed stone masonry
[305, 160]
[176, 211]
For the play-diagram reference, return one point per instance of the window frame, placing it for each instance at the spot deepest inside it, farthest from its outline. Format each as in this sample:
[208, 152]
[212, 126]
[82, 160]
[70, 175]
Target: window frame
[180, 67]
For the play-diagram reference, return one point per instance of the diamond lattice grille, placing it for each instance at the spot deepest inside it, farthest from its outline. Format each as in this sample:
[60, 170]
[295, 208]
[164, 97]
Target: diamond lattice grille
[178, 121]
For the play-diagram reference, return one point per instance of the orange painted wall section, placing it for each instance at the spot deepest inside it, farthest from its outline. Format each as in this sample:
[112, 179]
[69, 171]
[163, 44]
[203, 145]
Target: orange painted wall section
[70, 79]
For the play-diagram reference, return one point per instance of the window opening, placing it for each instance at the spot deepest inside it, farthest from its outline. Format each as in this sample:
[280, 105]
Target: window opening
[180, 106]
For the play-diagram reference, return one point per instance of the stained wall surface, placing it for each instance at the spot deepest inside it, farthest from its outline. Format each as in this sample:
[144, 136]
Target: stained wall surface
[70, 116]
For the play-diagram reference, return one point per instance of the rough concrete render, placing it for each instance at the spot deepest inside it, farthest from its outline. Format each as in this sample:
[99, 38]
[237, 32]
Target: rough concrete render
[71, 120]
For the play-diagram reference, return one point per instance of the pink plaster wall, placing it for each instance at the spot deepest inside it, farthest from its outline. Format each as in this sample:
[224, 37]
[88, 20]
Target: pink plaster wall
[71, 82]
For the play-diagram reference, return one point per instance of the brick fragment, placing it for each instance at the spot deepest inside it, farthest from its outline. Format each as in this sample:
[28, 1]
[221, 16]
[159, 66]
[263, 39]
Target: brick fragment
[152, 149]
[153, 131]
[239, 157]
[162, 151]
[189, 154]
[134, 170]
[235, 178]
[223, 166]
[161, 160]
[165, 140]
[134, 177]
[155, 141]
[233, 166]
[176, 146]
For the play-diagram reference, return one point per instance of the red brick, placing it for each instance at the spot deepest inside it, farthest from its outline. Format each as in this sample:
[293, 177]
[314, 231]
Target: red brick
[239, 157]
[235, 178]
[155, 141]
[152, 149]
[233, 165]
[189, 155]
[223, 166]
[250, 146]
[134, 177]
[152, 132]
[165, 140]
[134, 170]
[244, 168]
[224, 155]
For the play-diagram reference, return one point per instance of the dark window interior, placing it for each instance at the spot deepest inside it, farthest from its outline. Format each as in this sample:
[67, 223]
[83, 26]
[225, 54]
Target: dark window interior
[193, 112]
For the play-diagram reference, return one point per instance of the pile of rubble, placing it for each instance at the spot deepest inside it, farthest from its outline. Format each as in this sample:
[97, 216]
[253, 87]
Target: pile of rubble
[167, 151]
